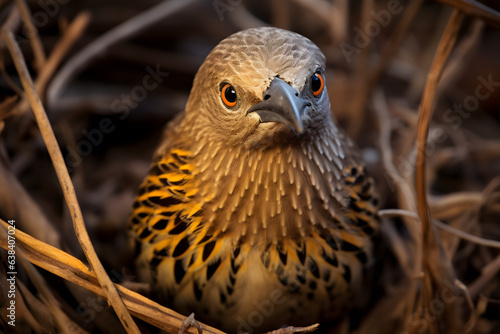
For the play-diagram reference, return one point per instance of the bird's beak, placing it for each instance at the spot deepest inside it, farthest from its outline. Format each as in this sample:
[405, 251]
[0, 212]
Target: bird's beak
[281, 103]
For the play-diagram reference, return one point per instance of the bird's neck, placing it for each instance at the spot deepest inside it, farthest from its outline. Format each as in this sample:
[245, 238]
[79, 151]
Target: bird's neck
[279, 192]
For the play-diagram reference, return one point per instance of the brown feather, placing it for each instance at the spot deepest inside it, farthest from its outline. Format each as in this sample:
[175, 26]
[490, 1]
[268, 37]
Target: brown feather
[235, 211]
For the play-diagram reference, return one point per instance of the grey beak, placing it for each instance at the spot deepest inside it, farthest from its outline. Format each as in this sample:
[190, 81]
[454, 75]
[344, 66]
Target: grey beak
[281, 103]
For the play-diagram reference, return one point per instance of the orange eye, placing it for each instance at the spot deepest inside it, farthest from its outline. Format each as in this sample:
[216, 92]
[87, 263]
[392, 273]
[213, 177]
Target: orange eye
[228, 95]
[317, 84]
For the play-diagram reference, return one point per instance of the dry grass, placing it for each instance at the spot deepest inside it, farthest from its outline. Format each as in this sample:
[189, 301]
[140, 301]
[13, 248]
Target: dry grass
[437, 169]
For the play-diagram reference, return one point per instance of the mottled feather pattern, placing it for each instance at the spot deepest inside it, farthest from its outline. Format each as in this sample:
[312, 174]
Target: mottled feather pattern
[193, 230]
[234, 211]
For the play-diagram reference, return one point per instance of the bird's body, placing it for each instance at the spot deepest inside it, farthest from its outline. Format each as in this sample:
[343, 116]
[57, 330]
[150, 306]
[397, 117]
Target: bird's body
[257, 211]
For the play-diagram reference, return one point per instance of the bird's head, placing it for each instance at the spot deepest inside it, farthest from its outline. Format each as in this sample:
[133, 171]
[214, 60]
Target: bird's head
[260, 86]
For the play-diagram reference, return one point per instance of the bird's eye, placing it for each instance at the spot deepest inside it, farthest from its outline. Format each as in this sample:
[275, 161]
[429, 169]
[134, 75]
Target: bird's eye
[228, 95]
[317, 84]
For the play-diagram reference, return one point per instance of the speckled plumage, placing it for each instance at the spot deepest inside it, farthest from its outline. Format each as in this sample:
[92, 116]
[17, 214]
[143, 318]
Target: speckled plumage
[237, 213]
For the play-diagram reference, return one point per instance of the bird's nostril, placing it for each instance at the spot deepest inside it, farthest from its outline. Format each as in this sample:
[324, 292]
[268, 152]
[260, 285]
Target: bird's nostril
[267, 97]
[297, 94]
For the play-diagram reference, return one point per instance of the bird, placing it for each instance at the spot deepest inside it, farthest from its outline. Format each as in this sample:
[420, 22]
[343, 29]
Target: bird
[257, 210]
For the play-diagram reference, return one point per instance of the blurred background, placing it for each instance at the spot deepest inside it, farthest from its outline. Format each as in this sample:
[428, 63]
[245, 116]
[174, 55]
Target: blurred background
[111, 74]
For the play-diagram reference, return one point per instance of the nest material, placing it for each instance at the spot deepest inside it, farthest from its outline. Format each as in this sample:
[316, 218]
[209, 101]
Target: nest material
[416, 85]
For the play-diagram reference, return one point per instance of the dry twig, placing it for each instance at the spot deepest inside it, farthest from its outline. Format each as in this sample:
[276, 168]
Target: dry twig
[464, 235]
[70, 268]
[358, 105]
[66, 184]
[477, 9]
[436, 266]
[70, 36]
